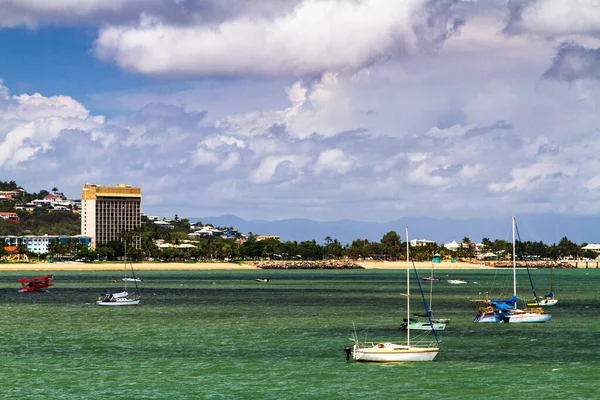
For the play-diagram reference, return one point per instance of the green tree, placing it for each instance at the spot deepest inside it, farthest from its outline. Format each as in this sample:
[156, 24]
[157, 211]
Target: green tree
[391, 243]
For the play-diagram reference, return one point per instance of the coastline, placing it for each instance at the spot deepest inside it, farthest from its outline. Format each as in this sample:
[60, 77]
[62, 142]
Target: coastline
[201, 266]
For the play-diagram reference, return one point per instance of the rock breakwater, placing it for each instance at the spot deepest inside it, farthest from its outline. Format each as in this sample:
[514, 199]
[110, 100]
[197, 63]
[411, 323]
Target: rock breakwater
[321, 264]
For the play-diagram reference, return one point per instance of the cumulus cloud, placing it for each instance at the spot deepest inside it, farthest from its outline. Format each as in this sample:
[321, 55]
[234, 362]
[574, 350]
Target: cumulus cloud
[373, 121]
[553, 18]
[313, 37]
[30, 125]
[574, 62]
[333, 161]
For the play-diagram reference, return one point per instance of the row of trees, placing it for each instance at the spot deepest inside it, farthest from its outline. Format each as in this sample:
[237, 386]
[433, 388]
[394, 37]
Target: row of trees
[390, 247]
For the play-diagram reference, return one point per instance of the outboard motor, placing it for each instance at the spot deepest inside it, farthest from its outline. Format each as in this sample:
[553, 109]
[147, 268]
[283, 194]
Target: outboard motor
[348, 351]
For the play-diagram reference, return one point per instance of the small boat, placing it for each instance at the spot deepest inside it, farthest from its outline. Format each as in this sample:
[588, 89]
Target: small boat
[430, 279]
[392, 352]
[514, 315]
[262, 280]
[548, 299]
[457, 281]
[423, 325]
[118, 299]
[131, 279]
[122, 298]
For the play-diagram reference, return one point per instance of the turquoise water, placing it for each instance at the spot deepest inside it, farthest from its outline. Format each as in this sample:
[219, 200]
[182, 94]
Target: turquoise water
[221, 335]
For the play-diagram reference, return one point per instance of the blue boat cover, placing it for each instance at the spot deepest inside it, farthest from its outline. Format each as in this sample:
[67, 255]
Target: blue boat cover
[503, 306]
[509, 301]
[550, 294]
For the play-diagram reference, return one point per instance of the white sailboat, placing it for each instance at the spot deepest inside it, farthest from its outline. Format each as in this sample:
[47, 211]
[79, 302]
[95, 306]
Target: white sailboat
[515, 315]
[422, 322]
[392, 352]
[548, 299]
[122, 298]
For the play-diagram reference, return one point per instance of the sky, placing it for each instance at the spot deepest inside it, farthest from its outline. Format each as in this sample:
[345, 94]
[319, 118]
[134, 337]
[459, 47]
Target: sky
[324, 109]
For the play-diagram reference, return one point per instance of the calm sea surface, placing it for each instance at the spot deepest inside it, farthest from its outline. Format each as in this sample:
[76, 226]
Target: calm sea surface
[221, 335]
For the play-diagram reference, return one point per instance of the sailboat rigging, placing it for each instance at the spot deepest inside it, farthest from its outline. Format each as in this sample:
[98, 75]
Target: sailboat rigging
[548, 299]
[506, 310]
[426, 322]
[392, 352]
[122, 298]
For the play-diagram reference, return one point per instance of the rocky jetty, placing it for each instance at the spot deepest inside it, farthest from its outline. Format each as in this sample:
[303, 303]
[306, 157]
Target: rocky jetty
[321, 264]
[533, 264]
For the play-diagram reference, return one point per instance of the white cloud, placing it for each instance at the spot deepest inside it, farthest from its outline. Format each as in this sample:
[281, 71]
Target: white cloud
[268, 166]
[30, 125]
[313, 37]
[334, 162]
[466, 129]
[561, 18]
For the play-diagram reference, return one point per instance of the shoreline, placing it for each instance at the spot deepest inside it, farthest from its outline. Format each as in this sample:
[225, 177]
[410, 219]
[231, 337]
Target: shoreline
[207, 266]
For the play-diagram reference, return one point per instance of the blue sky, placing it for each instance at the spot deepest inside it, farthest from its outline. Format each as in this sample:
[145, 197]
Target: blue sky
[325, 109]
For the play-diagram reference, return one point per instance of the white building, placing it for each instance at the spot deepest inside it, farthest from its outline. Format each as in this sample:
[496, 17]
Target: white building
[453, 246]
[592, 246]
[108, 211]
[40, 244]
[206, 231]
[421, 242]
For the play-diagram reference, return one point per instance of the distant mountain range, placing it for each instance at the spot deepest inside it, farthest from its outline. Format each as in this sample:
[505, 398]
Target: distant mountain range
[534, 227]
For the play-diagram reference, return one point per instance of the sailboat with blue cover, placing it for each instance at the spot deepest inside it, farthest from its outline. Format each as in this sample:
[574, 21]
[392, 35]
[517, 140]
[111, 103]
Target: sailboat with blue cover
[506, 310]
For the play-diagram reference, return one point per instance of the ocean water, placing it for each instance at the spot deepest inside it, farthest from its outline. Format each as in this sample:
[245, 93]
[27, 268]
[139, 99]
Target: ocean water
[221, 335]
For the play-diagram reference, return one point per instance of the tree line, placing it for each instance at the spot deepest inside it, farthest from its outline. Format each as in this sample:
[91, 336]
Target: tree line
[390, 247]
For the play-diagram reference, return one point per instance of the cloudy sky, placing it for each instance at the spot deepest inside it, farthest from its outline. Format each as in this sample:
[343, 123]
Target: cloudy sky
[326, 109]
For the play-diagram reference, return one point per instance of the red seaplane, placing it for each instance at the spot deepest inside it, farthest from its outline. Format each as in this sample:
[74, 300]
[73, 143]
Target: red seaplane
[35, 284]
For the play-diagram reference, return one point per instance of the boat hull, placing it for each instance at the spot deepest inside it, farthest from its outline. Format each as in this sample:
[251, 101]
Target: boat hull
[544, 303]
[426, 326]
[119, 302]
[488, 317]
[390, 352]
[527, 318]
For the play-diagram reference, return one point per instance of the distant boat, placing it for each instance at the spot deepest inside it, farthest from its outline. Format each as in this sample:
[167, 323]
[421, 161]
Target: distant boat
[262, 280]
[430, 279]
[392, 352]
[506, 310]
[424, 324]
[457, 281]
[122, 298]
[529, 314]
[131, 279]
[548, 299]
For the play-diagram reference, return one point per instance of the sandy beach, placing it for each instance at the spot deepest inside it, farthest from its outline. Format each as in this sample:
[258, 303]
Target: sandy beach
[210, 266]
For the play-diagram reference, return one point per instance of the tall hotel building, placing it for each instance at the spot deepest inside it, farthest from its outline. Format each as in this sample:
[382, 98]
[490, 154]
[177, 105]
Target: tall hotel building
[108, 211]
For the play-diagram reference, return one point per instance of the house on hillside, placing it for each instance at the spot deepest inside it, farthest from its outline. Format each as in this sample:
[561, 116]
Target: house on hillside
[29, 207]
[163, 224]
[9, 215]
[206, 231]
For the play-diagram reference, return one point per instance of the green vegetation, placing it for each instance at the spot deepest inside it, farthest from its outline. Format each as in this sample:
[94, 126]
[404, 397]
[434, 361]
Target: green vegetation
[44, 220]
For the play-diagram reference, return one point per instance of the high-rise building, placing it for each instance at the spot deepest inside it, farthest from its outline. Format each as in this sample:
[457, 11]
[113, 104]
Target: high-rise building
[109, 211]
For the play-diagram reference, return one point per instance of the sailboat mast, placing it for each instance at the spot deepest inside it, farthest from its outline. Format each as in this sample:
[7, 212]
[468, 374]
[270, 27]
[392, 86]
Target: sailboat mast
[407, 290]
[125, 263]
[514, 261]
